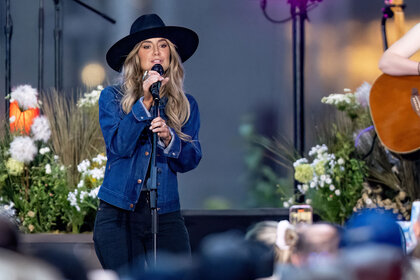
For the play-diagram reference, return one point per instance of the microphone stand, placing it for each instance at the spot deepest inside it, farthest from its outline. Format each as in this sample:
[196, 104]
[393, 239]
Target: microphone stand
[298, 10]
[153, 185]
[8, 31]
[41, 46]
[299, 13]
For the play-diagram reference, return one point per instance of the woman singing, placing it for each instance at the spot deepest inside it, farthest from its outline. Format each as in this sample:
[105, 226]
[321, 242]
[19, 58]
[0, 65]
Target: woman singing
[122, 231]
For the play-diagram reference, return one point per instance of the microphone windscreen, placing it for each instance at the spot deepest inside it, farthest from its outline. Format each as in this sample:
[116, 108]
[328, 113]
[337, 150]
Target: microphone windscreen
[158, 68]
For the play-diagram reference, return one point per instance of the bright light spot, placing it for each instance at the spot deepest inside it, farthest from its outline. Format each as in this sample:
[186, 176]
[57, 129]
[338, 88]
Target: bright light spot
[93, 74]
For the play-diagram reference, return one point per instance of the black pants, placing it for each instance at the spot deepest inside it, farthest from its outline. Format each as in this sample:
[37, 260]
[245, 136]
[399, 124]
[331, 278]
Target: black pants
[123, 238]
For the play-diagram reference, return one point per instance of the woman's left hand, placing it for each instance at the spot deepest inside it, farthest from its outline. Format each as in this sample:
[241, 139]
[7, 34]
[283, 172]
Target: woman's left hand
[159, 126]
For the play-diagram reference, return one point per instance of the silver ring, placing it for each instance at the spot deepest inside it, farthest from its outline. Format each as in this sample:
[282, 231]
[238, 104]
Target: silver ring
[145, 75]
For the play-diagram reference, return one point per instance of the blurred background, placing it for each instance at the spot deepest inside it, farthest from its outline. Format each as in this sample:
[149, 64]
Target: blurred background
[241, 73]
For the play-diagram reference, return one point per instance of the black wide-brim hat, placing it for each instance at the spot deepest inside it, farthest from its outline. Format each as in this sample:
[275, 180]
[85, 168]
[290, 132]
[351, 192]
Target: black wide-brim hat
[152, 26]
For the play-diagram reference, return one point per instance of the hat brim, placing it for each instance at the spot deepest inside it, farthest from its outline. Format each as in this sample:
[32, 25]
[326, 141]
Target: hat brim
[185, 40]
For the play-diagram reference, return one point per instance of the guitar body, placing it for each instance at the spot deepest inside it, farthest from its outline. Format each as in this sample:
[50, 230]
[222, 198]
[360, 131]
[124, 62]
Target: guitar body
[395, 112]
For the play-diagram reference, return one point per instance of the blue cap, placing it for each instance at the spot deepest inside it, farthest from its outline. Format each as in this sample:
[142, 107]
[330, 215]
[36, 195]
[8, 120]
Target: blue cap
[373, 226]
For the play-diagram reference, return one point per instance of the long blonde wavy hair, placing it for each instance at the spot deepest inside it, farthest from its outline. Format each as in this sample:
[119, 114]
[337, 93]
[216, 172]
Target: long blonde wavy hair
[177, 108]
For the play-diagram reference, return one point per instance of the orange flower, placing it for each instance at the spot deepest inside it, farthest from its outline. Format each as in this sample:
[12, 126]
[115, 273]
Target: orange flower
[21, 121]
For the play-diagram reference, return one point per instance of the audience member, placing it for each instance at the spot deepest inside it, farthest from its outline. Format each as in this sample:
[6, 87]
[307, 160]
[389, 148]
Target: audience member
[65, 262]
[280, 236]
[374, 247]
[373, 226]
[15, 266]
[315, 241]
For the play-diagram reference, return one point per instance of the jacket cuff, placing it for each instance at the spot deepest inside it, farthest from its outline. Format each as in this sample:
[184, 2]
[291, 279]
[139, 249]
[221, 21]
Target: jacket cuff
[140, 112]
[174, 148]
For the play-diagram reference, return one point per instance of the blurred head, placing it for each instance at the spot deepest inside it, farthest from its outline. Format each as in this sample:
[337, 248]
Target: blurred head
[65, 262]
[280, 236]
[373, 226]
[317, 240]
[229, 256]
[375, 261]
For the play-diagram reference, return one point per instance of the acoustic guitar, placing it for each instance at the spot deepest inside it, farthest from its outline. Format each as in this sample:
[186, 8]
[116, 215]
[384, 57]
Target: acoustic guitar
[395, 110]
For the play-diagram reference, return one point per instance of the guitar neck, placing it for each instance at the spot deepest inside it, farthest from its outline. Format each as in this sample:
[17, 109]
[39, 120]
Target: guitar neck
[399, 18]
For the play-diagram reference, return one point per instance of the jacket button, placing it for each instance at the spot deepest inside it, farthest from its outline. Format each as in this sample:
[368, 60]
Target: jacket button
[159, 170]
[158, 184]
[146, 153]
[139, 181]
[131, 205]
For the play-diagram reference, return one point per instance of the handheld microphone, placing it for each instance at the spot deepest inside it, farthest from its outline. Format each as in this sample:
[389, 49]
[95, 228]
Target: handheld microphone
[155, 87]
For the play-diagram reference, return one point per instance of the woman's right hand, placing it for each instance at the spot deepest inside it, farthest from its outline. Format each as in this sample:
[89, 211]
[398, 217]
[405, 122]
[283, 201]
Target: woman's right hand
[150, 78]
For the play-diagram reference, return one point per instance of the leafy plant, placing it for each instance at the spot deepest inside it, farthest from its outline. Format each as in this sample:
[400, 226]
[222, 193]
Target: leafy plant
[348, 171]
[38, 166]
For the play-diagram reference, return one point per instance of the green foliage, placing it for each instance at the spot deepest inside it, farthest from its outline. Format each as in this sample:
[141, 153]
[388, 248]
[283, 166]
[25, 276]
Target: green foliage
[336, 177]
[267, 187]
[217, 203]
[335, 191]
[38, 191]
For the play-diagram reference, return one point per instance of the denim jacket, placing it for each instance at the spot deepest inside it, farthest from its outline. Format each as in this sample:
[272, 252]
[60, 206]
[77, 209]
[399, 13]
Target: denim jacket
[128, 147]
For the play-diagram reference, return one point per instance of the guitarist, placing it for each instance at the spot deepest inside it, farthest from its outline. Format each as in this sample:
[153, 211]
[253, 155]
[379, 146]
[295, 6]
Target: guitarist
[396, 62]
[396, 59]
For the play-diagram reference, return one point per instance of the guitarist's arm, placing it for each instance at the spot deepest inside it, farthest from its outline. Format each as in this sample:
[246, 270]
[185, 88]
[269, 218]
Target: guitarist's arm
[396, 59]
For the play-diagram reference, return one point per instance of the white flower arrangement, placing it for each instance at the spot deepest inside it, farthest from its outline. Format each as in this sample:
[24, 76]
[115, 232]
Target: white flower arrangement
[92, 174]
[23, 149]
[362, 94]
[338, 99]
[99, 159]
[97, 173]
[72, 198]
[44, 150]
[48, 168]
[349, 101]
[83, 166]
[90, 99]
[78, 196]
[26, 96]
[320, 171]
[41, 129]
